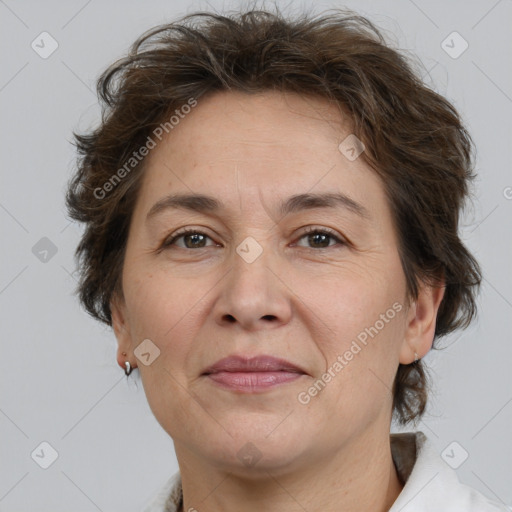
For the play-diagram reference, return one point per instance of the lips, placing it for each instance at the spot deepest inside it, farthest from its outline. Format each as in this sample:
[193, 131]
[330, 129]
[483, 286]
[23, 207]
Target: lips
[252, 374]
[252, 364]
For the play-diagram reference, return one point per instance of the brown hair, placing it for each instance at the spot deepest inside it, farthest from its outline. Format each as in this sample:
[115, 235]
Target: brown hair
[414, 140]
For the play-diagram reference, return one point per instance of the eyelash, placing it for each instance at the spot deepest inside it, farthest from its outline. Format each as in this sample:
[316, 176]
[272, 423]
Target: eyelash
[324, 231]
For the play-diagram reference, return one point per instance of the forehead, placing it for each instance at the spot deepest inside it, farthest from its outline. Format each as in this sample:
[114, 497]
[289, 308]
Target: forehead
[271, 124]
[239, 146]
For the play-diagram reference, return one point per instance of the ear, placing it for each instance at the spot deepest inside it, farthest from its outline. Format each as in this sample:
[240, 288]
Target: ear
[122, 332]
[421, 322]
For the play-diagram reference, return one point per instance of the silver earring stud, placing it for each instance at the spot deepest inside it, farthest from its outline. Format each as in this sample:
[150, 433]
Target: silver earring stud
[128, 368]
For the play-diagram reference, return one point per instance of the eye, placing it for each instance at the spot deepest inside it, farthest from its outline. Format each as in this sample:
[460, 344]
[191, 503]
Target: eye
[320, 237]
[193, 239]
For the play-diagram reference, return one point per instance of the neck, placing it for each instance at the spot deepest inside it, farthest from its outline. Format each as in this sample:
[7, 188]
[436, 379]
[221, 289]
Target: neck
[358, 477]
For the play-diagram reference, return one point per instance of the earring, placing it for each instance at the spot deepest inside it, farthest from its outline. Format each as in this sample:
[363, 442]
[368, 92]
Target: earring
[416, 358]
[128, 368]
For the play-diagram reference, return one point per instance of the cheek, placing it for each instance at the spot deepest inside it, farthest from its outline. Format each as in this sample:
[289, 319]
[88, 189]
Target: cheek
[159, 305]
[161, 312]
[367, 334]
[361, 319]
[350, 299]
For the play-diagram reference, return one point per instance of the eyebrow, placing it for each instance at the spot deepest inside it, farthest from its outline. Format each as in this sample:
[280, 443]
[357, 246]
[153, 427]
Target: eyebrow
[207, 204]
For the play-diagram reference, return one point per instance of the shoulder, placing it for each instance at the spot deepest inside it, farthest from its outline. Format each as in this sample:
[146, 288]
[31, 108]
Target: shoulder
[430, 484]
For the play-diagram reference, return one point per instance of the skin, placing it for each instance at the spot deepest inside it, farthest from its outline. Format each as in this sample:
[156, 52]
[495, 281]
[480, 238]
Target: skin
[302, 299]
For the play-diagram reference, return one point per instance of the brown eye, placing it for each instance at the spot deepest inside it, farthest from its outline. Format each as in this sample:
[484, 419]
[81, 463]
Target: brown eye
[321, 238]
[192, 239]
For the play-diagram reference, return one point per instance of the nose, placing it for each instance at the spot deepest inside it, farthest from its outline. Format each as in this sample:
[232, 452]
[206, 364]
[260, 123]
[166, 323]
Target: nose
[253, 294]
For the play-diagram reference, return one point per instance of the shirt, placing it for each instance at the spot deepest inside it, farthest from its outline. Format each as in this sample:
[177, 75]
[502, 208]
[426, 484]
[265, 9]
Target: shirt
[430, 483]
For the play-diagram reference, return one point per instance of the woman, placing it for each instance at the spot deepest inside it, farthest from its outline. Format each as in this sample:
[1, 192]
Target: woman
[271, 212]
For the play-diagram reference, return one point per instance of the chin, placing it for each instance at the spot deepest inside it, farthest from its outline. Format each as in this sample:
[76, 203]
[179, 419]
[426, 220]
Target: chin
[256, 447]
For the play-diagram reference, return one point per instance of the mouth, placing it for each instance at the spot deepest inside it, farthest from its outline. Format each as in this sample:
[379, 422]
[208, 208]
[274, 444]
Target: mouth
[252, 374]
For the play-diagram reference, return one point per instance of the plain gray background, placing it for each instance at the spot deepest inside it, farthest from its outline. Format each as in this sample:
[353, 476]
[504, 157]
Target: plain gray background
[59, 379]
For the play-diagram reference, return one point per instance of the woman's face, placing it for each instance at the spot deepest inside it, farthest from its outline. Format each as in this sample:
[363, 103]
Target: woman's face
[253, 282]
